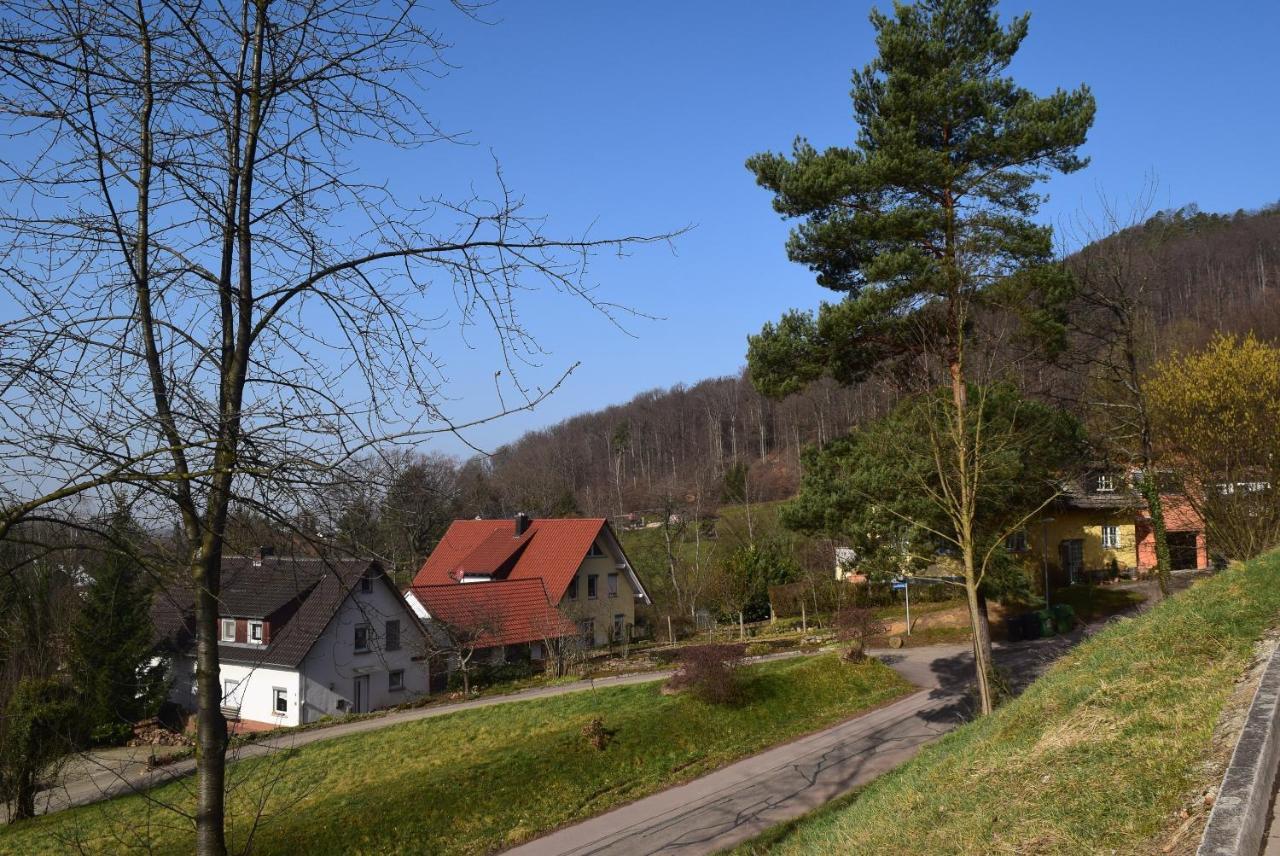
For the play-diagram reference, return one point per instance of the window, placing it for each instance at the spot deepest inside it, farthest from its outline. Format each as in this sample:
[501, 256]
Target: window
[279, 701]
[366, 583]
[1016, 542]
[228, 630]
[255, 632]
[362, 638]
[591, 586]
[229, 692]
[588, 628]
[573, 589]
[1106, 483]
[1110, 537]
[395, 680]
[391, 641]
[595, 552]
[619, 625]
[612, 580]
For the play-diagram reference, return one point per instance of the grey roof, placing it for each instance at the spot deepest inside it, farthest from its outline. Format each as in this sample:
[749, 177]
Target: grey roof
[1082, 494]
[298, 595]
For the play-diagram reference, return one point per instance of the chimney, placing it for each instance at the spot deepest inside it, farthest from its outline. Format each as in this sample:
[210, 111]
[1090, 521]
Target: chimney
[522, 524]
[263, 552]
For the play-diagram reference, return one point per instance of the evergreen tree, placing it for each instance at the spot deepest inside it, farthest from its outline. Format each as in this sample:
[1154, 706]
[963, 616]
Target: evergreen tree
[112, 642]
[922, 225]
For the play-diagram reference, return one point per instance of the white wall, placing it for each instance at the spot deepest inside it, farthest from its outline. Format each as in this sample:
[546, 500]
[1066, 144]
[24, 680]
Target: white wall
[254, 692]
[330, 669]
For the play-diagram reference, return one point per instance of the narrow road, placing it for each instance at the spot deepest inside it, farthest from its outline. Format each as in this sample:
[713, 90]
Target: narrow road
[738, 802]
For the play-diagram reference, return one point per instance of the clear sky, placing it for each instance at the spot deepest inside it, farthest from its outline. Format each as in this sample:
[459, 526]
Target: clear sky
[637, 117]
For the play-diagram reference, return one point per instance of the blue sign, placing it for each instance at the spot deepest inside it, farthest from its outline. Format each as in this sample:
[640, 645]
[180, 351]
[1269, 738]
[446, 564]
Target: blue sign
[898, 586]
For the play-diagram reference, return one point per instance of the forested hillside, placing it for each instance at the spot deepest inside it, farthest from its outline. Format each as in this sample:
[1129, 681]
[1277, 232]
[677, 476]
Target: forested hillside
[689, 449]
[1207, 272]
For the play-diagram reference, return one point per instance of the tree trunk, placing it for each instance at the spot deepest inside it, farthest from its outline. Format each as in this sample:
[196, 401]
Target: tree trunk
[211, 725]
[981, 641]
[1155, 507]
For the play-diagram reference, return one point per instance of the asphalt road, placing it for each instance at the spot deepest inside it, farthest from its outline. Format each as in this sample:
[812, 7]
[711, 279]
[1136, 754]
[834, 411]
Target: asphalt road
[742, 800]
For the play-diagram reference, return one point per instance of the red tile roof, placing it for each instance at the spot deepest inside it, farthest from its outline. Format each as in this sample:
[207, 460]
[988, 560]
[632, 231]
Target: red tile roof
[550, 550]
[510, 612]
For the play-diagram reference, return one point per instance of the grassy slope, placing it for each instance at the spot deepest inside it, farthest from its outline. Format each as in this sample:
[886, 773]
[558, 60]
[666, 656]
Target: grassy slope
[478, 780]
[1094, 757]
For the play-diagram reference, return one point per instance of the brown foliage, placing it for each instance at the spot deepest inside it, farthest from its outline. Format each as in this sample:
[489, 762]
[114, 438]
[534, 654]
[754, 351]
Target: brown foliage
[854, 626]
[708, 671]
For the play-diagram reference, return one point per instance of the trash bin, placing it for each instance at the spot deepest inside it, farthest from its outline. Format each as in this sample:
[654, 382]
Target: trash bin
[1013, 628]
[1030, 626]
[1064, 617]
[1045, 617]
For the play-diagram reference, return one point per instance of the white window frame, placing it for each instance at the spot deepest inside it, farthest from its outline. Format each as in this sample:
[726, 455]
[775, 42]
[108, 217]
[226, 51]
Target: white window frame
[596, 551]
[278, 695]
[611, 585]
[1110, 536]
[255, 625]
[223, 636]
[395, 680]
[388, 637]
[1106, 483]
[593, 586]
[355, 639]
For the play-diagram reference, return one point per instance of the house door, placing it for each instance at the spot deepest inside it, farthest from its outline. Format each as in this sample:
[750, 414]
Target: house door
[360, 695]
[1183, 555]
[1071, 555]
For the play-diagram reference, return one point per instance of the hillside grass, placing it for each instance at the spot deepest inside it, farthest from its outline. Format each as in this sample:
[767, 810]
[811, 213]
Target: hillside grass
[480, 780]
[1095, 757]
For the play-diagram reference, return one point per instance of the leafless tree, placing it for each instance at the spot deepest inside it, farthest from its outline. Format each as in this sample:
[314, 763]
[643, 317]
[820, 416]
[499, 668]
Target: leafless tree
[472, 625]
[1116, 281]
[215, 302]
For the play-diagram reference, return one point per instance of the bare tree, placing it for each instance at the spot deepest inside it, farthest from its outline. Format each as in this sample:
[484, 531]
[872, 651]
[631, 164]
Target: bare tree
[1116, 284]
[214, 302]
[472, 625]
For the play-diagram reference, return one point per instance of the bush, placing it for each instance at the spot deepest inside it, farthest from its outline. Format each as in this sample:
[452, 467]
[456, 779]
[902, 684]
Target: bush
[759, 649]
[709, 672]
[854, 626]
[596, 735]
[486, 674]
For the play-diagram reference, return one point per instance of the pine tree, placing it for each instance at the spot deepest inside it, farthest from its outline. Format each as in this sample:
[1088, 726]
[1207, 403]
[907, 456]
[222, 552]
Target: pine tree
[112, 639]
[923, 224]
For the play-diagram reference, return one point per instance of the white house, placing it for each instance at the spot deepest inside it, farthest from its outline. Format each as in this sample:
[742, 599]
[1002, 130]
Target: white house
[300, 639]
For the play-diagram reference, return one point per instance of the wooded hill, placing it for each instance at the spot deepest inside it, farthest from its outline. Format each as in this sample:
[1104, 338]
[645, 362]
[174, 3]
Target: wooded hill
[719, 439]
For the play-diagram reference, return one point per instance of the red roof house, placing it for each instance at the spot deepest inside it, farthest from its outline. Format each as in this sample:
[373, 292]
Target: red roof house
[524, 575]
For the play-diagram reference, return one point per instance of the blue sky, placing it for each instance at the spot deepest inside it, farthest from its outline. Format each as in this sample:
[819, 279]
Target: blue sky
[637, 117]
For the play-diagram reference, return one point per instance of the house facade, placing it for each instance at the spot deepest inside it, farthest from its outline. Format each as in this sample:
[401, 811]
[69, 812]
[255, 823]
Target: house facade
[527, 575]
[1100, 524]
[300, 639]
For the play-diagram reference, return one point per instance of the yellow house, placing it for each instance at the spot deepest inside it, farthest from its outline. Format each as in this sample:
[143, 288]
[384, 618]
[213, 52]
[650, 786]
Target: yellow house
[1090, 531]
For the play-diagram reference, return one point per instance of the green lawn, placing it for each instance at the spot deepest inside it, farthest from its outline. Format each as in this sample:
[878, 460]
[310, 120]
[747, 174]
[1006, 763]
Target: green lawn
[1095, 757]
[480, 780]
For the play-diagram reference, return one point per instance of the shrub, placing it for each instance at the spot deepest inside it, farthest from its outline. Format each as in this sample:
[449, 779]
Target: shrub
[853, 628]
[758, 649]
[596, 735]
[708, 671]
[486, 674]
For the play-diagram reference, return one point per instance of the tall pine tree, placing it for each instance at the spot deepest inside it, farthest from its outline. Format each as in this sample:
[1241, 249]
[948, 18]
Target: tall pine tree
[112, 638]
[922, 224]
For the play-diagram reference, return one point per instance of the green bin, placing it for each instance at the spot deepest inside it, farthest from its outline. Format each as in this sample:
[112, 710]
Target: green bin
[1064, 617]
[1045, 618]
